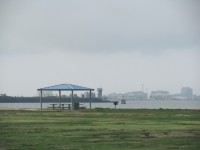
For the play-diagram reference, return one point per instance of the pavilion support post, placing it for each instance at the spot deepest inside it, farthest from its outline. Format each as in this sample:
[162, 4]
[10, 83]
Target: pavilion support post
[90, 99]
[41, 100]
[72, 99]
[60, 99]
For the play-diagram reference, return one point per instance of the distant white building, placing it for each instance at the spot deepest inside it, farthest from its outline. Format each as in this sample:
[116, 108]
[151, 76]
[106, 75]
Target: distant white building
[179, 98]
[159, 95]
[187, 92]
[114, 97]
[137, 95]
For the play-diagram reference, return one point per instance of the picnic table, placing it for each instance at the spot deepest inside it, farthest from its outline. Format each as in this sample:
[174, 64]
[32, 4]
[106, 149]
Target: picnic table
[53, 106]
[63, 106]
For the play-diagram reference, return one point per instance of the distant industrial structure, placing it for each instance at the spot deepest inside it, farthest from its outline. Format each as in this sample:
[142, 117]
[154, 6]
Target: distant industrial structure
[186, 93]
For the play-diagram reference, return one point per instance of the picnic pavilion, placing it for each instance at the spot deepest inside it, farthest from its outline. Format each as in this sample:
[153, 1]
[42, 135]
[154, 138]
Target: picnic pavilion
[65, 87]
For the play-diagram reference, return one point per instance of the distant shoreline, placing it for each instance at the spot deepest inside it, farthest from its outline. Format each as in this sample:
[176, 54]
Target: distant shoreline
[9, 99]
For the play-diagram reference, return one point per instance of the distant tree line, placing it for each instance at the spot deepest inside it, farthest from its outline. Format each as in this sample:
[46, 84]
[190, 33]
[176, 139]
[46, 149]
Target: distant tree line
[53, 99]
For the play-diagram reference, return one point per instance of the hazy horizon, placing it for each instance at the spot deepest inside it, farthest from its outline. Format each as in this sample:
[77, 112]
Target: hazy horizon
[114, 44]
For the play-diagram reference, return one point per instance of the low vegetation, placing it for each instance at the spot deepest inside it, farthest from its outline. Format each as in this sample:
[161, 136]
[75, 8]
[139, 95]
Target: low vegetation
[99, 129]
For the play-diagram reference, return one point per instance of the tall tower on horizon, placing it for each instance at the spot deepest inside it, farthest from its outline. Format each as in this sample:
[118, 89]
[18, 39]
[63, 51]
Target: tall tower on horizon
[99, 93]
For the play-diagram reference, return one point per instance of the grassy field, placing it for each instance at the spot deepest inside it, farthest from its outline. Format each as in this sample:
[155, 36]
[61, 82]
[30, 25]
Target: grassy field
[100, 129]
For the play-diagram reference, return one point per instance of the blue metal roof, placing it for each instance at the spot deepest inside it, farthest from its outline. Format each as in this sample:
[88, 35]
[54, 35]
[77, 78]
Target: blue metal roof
[66, 87]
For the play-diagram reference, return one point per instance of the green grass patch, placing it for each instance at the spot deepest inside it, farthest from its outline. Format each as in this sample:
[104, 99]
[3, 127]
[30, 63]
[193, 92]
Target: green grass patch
[100, 129]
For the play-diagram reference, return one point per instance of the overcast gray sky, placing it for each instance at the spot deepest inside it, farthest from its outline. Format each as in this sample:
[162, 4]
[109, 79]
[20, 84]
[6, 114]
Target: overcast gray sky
[114, 44]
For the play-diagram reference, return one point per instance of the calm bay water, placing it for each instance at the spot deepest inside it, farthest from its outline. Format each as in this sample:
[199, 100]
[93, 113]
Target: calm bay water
[147, 104]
